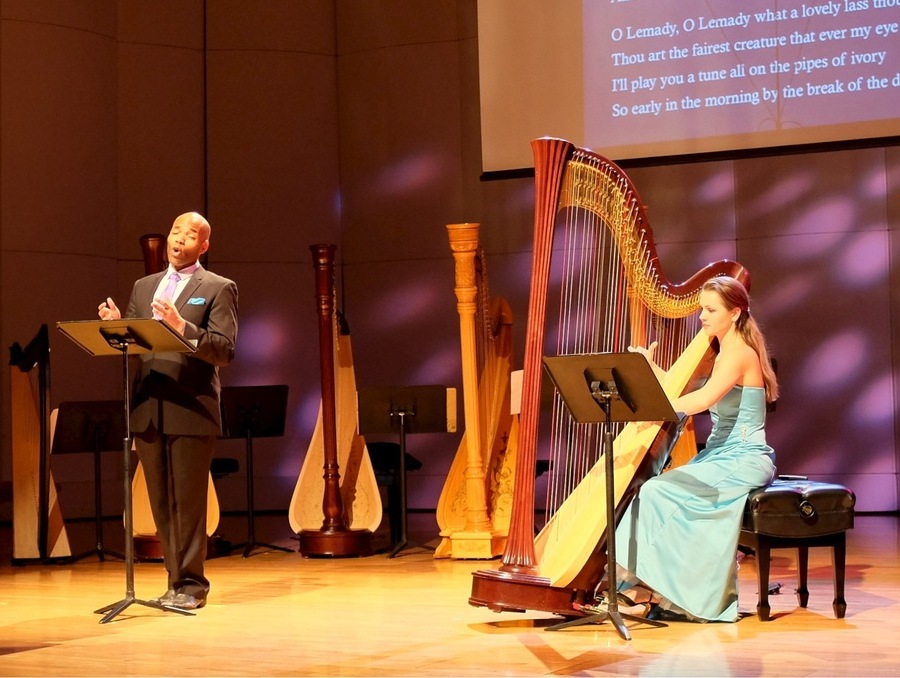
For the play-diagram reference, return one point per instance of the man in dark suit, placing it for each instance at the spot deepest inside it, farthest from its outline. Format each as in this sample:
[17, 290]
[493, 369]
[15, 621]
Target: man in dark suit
[175, 416]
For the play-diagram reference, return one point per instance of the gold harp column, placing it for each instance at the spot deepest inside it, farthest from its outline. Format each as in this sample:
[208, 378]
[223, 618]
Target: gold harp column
[475, 541]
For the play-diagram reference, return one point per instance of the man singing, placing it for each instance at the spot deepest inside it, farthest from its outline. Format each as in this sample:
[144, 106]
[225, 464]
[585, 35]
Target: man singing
[175, 416]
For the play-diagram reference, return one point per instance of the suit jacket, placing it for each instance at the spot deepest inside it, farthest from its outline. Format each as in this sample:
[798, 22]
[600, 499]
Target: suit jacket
[178, 393]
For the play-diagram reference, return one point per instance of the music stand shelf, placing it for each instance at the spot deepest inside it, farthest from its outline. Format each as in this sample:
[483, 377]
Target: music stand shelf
[124, 337]
[602, 388]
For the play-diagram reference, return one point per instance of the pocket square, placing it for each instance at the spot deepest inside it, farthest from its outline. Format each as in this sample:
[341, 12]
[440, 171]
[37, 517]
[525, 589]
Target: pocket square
[196, 301]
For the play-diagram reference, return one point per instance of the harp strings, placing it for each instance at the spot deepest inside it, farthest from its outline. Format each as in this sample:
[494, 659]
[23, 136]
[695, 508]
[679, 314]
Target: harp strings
[485, 348]
[611, 295]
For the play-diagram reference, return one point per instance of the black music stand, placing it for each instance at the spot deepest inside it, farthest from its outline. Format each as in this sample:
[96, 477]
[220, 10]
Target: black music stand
[253, 412]
[604, 388]
[91, 426]
[128, 336]
[403, 410]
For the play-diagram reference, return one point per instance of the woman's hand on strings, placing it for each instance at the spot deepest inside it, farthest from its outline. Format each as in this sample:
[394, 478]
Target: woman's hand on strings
[647, 352]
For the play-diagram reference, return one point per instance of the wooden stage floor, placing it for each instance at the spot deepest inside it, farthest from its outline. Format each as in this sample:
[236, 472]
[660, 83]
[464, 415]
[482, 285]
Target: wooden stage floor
[279, 614]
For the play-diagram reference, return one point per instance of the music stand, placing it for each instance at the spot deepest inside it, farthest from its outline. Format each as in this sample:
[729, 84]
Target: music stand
[403, 410]
[604, 388]
[127, 336]
[91, 426]
[253, 412]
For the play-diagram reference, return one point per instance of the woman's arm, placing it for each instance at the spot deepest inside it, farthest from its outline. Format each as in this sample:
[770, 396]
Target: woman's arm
[728, 371]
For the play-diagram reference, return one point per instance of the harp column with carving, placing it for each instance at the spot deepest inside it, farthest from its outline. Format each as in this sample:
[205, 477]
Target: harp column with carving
[475, 503]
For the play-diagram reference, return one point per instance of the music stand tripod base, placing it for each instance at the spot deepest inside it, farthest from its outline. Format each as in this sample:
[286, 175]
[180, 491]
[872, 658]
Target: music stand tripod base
[406, 546]
[113, 610]
[253, 548]
[250, 547]
[617, 618]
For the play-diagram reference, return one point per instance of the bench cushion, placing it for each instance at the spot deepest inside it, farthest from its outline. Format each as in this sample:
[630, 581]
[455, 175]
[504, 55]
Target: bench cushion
[799, 508]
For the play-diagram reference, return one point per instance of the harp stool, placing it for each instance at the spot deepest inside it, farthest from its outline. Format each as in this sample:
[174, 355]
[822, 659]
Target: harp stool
[798, 513]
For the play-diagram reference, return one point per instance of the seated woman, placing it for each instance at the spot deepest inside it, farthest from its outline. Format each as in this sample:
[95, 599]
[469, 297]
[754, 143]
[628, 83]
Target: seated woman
[679, 536]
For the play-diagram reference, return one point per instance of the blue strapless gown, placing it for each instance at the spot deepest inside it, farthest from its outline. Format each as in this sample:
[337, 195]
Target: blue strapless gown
[680, 534]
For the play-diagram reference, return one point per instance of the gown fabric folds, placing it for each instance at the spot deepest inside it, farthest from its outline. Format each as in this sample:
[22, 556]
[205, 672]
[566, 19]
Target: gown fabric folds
[679, 536]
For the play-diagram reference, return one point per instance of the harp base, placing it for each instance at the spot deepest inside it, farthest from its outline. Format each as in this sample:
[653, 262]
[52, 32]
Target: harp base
[506, 592]
[338, 543]
[474, 545]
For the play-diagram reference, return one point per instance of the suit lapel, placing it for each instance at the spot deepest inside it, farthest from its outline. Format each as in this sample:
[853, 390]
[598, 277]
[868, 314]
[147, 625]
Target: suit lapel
[192, 285]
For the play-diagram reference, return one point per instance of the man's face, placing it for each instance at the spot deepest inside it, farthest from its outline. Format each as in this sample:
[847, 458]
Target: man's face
[187, 240]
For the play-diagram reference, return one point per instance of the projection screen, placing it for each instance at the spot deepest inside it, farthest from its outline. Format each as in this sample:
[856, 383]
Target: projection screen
[653, 78]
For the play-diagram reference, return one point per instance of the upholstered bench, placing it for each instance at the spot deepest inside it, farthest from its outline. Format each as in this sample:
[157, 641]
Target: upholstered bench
[794, 512]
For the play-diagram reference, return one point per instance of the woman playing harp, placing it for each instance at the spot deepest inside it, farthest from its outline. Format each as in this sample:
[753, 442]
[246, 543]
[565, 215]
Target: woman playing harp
[595, 270]
[680, 534]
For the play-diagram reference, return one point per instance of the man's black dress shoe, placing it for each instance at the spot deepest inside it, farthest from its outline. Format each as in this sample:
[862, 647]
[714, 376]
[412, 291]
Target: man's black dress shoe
[165, 598]
[182, 601]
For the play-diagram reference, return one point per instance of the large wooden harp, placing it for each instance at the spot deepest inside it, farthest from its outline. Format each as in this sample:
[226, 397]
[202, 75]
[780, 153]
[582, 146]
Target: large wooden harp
[336, 505]
[475, 505]
[592, 241]
[39, 533]
[146, 542]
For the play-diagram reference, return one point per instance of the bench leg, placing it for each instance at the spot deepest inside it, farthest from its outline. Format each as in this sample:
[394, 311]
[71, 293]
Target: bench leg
[839, 562]
[763, 554]
[802, 571]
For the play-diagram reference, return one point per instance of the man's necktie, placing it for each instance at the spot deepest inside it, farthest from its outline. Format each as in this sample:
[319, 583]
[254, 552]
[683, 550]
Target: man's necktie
[169, 292]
